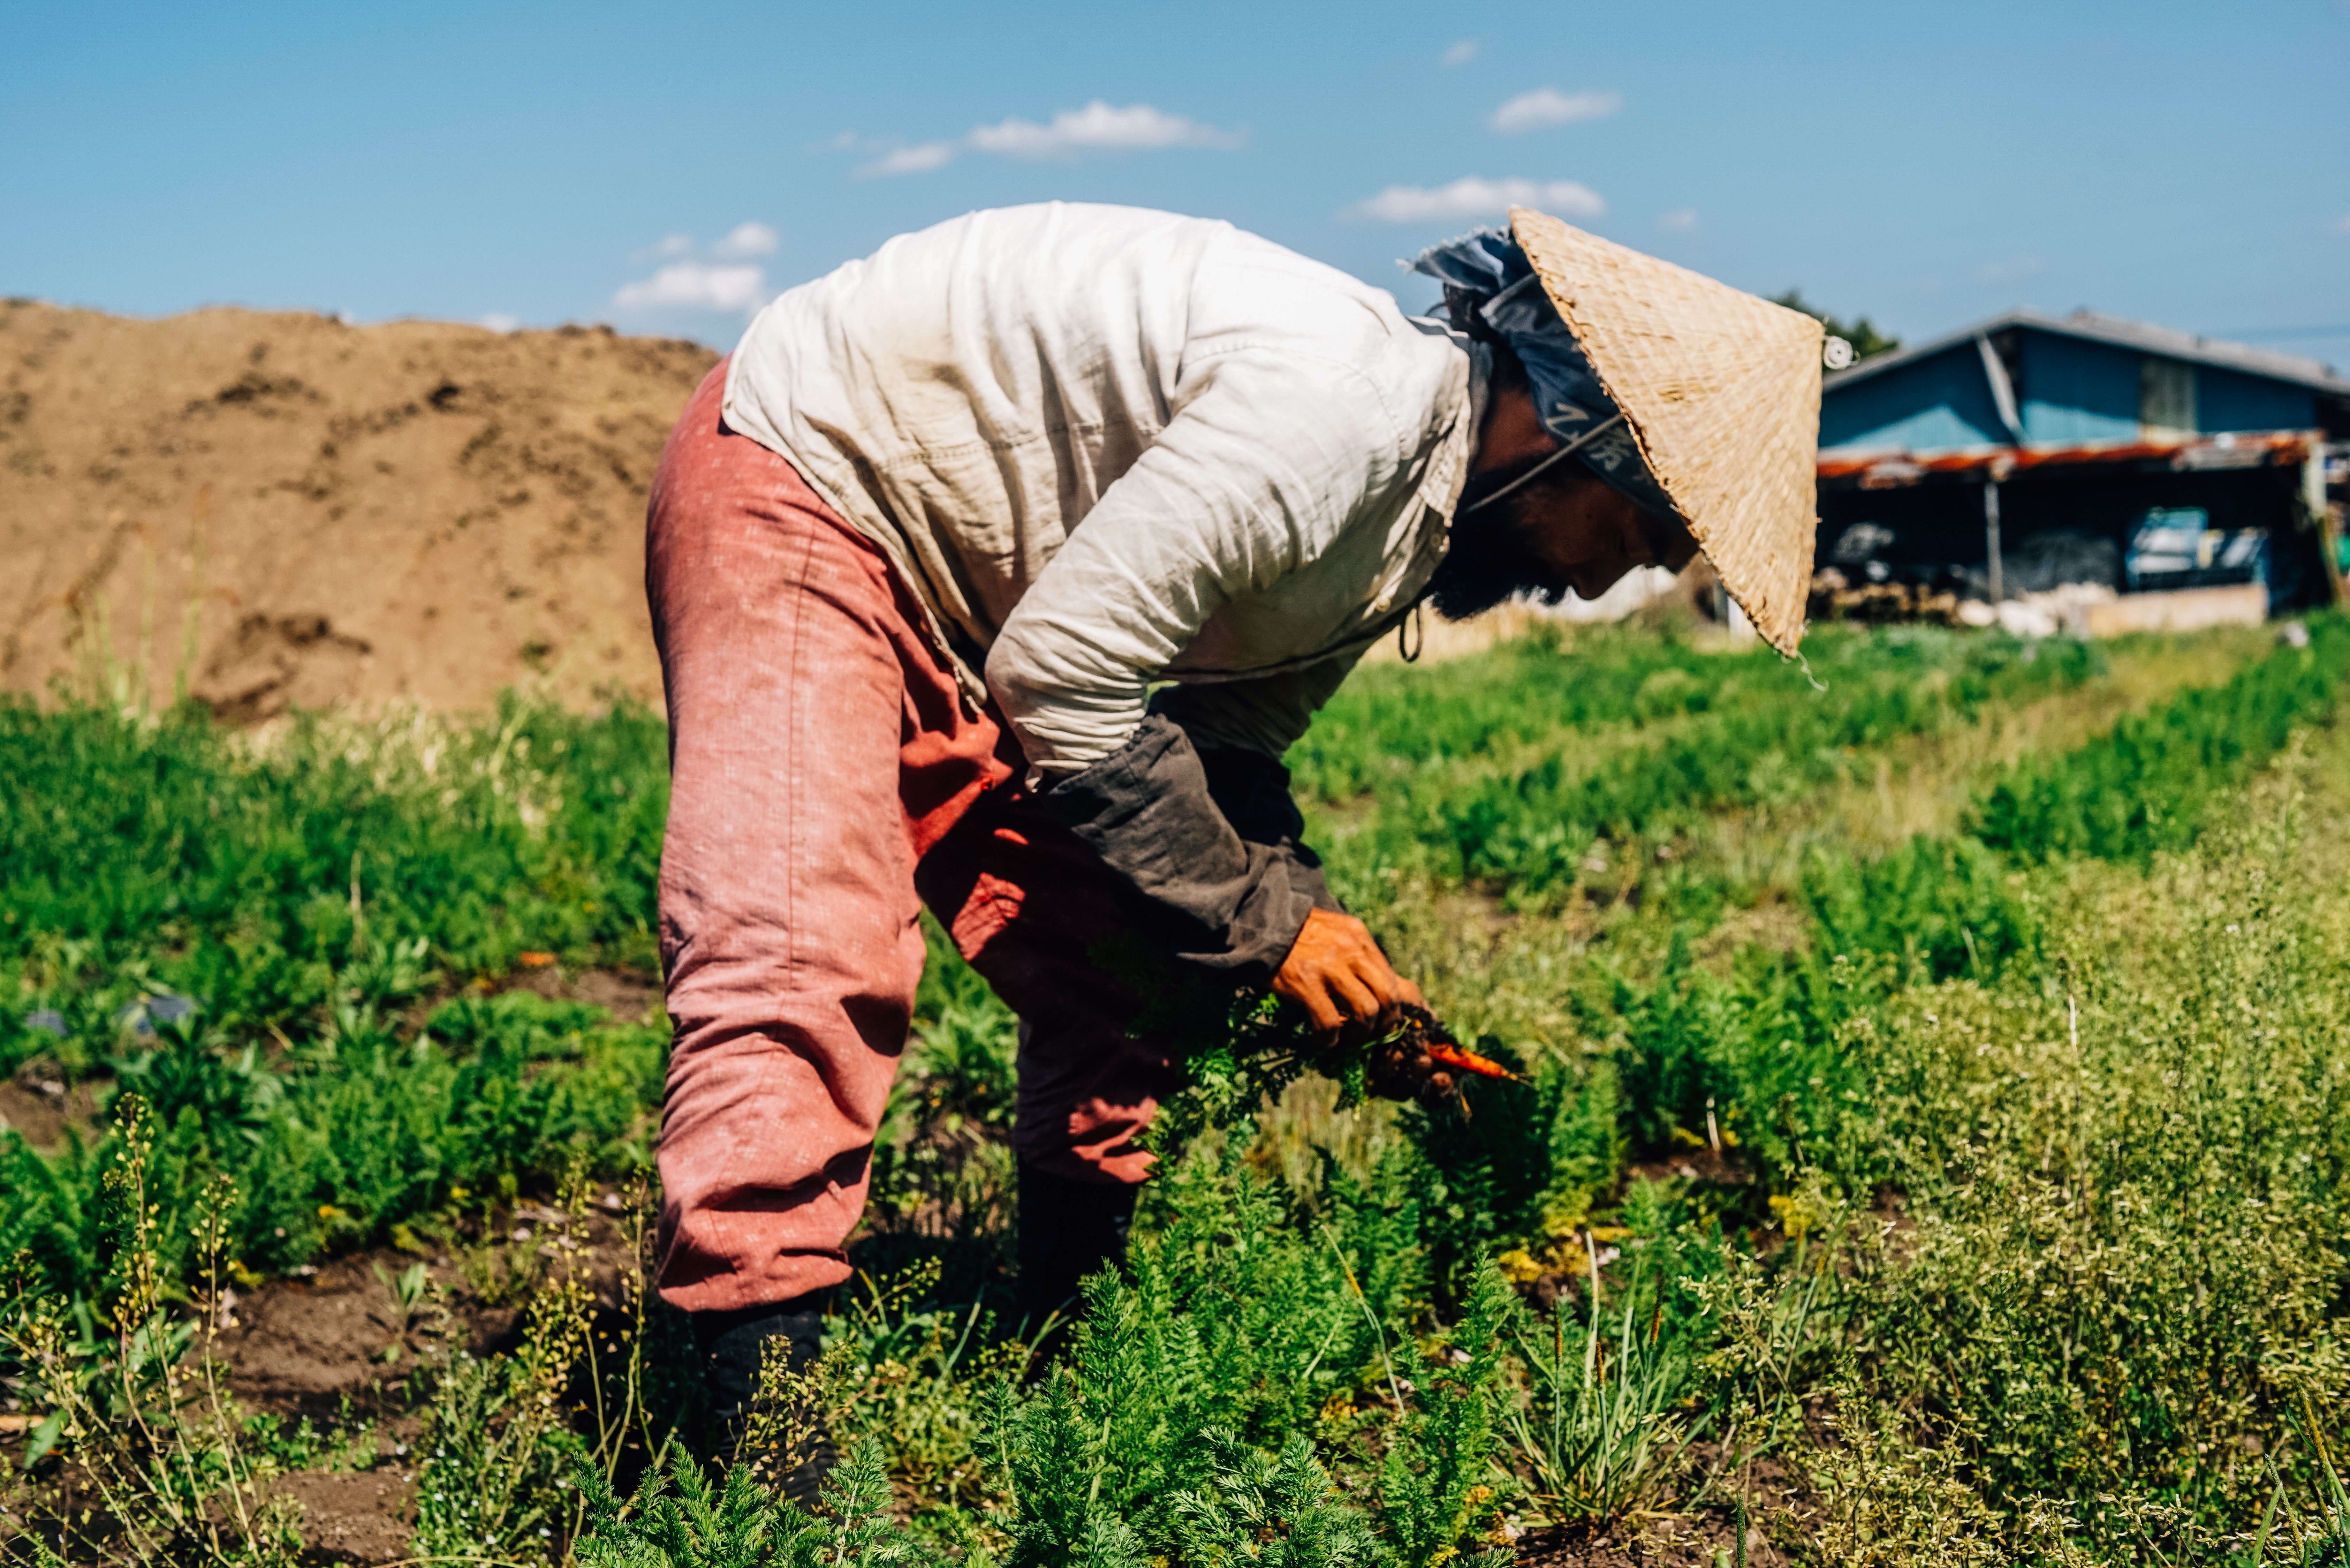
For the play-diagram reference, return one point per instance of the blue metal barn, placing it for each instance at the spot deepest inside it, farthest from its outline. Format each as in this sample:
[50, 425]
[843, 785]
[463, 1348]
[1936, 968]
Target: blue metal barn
[2033, 450]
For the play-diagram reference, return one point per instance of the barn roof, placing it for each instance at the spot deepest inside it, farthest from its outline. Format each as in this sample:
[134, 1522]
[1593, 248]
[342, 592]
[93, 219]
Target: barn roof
[2121, 334]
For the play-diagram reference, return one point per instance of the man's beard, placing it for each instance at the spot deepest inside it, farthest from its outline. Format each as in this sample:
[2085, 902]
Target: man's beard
[1491, 559]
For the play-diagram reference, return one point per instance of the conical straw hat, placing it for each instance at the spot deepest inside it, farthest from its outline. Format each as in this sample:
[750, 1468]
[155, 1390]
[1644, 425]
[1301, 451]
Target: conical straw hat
[1722, 393]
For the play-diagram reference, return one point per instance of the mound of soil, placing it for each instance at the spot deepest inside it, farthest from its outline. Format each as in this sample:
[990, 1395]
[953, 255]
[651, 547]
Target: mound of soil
[272, 509]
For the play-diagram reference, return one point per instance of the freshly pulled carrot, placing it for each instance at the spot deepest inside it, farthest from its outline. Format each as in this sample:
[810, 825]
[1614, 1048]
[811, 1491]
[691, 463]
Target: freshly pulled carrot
[1453, 1056]
[1423, 1031]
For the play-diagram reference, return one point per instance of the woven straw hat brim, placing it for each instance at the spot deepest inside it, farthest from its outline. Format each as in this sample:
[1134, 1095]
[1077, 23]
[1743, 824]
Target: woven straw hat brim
[1720, 390]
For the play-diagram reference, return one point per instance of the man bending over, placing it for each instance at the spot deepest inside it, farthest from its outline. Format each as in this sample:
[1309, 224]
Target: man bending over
[919, 553]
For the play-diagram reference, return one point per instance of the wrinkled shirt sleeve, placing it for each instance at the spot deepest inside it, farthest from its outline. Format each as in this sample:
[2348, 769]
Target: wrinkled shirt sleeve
[1260, 470]
[1266, 461]
[1266, 715]
[1206, 841]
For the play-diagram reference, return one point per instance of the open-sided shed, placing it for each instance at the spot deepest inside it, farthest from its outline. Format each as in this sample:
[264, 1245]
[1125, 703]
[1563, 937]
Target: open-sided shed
[2033, 450]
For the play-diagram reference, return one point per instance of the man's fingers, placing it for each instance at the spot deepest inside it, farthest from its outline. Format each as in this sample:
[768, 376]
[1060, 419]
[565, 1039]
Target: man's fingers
[1337, 971]
[1326, 1013]
[1361, 1001]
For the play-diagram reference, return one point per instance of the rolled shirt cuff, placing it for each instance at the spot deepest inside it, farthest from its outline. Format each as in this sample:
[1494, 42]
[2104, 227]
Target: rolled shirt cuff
[1208, 842]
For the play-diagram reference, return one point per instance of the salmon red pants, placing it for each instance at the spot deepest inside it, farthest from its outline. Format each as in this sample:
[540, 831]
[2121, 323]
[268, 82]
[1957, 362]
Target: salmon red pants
[827, 779]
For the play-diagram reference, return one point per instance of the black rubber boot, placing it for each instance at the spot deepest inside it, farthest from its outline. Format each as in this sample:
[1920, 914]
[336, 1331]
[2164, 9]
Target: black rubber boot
[1067, 1230]
[733, 1346]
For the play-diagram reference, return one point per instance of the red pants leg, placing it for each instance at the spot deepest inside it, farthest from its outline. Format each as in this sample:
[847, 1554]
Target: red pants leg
[818, 748]
[1032, 908]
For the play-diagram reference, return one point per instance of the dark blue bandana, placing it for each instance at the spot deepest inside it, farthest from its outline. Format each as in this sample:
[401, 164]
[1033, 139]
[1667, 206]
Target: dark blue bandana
[1487, 277]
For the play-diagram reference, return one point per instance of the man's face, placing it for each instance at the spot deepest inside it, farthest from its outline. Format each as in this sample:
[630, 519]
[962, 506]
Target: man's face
[1567, 531]
[1564, 530]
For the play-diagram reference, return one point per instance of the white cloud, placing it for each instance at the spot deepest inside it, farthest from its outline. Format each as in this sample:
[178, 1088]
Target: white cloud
[2009, 271]
[1461, 53]
[748, 239]
[2342, 224]
[919, 158]
[499, 321]
[1099, 126]
[696, 286]
[1548, 106]
[1680, 220]
[663, 250]
[1474, 198]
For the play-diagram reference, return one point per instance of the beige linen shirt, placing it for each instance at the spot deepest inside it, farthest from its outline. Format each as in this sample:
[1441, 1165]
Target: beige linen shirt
[1110, 448]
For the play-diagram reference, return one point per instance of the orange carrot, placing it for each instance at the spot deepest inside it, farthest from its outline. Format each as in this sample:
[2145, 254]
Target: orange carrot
[1467, 1061]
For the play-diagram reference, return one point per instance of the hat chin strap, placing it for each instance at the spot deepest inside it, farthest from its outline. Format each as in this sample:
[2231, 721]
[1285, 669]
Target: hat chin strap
[1569, 450]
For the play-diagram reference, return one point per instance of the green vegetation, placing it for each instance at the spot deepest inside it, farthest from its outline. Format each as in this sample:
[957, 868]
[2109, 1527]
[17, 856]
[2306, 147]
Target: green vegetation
[1966, 1195]
[2147, 786]
[329, 864]
[1511, 787]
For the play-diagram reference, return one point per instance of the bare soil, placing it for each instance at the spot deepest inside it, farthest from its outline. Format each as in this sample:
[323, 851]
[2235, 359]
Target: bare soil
[627, 995]
[1692, 1541]
[299, 1347]
[316, 1347]
[363, 1518]
[42, 1107]
[1697, 1538]
[274, 509]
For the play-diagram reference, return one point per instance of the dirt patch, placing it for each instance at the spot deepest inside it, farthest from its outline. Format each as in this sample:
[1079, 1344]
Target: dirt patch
[1692, 1538]
[316, 1346]
[1692, 1541]
[278, 509]
[300, 1346]
[40, 1107]
[1722, 1168]
[363, 1518]
[628, 995]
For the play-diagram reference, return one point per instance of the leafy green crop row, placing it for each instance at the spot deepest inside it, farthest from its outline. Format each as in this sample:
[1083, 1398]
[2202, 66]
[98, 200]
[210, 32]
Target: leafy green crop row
[1730, 731]
[2147, 785]
[361, 1132]
[2101, 1123]
[268, 879]
[1768, 1043]
[1389, 721]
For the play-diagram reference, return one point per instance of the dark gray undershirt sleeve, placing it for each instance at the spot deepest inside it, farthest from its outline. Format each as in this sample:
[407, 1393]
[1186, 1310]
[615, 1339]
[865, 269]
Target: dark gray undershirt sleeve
[1207, 841]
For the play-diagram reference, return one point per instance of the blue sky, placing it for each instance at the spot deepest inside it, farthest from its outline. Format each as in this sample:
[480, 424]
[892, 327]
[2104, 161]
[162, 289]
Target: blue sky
[2180, 164]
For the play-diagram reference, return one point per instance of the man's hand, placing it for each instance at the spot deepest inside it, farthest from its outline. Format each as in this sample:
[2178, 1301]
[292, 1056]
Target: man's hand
[1337, 973]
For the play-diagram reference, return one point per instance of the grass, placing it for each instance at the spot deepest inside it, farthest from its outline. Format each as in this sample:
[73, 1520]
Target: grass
[1931, 1153]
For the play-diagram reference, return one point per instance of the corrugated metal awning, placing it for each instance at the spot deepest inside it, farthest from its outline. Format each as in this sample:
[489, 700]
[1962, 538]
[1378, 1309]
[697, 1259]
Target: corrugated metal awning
[1894, 470]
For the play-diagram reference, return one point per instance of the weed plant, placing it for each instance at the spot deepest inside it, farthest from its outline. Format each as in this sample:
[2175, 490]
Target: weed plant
[168, 1468]
[1602, 1422]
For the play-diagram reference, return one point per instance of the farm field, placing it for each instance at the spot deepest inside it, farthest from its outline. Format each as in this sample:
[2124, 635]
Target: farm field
[1931, 1149]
